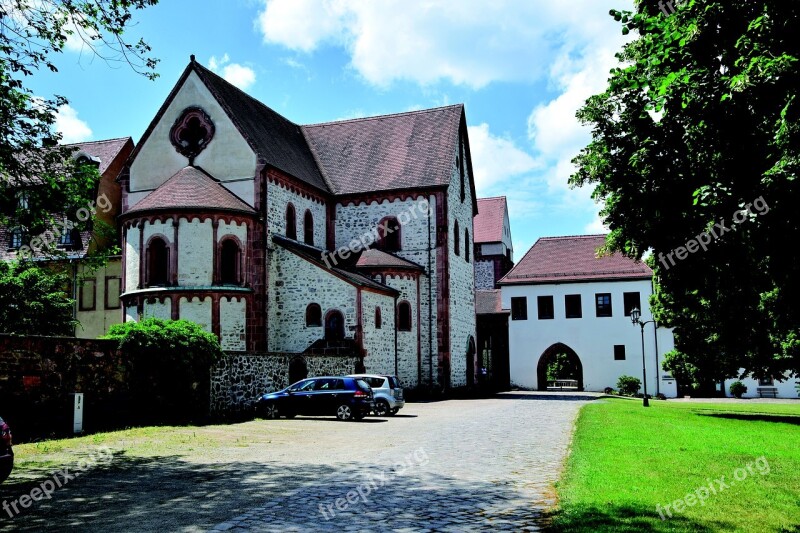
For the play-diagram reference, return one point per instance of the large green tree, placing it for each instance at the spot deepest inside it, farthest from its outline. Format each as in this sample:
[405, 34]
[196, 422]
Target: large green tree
[33, 300]
[32, 34]
[697, 138]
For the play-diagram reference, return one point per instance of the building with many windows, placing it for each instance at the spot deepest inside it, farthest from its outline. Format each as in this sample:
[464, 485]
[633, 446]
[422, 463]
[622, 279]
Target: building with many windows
[570, 312]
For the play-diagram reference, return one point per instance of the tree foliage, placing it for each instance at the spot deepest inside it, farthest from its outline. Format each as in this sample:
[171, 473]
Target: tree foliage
[33, 300]
[32, 34]
[699, 120]
[169, 364]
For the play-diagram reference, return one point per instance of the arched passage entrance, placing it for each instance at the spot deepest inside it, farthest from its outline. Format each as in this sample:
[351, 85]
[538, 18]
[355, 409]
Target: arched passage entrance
[563, 363]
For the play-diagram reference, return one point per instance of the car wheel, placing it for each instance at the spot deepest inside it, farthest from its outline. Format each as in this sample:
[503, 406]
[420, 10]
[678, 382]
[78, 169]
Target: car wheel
[344, 412]
[394, 411]
[382, 408]
[270, 411]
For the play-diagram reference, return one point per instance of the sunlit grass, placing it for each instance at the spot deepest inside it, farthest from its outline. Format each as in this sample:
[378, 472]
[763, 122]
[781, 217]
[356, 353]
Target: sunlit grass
[627, 460]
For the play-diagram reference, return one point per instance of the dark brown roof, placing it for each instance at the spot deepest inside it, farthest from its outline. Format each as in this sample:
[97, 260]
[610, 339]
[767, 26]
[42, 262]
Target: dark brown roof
[275, 139]
[490, 220]
[379, 259]
[106, 151]
[565, 259]
[314, 255]
[489, 303]
[191, 187]
[390, 152]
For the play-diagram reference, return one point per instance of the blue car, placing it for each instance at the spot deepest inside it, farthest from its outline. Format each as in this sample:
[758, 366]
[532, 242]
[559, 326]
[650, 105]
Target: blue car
[346, 398]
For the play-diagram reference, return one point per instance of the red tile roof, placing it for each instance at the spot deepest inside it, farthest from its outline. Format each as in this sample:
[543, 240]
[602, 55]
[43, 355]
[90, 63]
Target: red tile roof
[389, 152]
[565, 259]
[106, 151]
[489, 303]
[191, 187]
[490, 220]
[377, 258]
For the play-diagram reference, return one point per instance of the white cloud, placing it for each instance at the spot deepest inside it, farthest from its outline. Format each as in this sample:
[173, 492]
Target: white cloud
[239, 75]
[71, 128]
[495, 159]
[471, 42]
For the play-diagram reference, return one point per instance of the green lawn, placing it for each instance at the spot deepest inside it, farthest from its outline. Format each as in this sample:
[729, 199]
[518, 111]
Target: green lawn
[627, 460]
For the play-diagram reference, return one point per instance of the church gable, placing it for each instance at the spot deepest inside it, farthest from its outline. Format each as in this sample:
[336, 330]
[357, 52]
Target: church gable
[192, 128]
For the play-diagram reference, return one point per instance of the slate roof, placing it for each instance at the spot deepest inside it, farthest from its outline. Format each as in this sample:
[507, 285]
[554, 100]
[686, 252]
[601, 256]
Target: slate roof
[489, 303]
[389, 152]
[490, 220]
[568, 259]
[191, 187]
[314, 255]
[372, 258]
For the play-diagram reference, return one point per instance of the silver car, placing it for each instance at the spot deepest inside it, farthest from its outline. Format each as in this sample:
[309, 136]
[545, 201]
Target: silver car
[387, 392]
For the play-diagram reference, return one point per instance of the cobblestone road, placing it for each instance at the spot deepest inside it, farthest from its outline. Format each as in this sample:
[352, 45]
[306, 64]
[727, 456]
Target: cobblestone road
[460, 465]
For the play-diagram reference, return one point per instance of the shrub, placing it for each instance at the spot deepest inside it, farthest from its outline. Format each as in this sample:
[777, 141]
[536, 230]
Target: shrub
[608, 390]
[169, 367]
[737, 388]
[628, 385]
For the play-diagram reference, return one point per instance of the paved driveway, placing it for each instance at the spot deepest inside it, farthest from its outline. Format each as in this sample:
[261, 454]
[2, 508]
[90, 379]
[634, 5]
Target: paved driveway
[467, 465]
[459, 465]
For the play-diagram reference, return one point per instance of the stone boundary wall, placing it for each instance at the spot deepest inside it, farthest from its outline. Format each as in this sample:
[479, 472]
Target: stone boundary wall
[237, 381]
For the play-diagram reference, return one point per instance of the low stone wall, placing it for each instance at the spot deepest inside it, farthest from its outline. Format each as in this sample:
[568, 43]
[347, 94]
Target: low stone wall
[237, 381]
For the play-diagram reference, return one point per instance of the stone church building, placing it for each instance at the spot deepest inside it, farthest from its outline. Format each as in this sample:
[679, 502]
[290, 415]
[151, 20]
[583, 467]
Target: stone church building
[350, 237]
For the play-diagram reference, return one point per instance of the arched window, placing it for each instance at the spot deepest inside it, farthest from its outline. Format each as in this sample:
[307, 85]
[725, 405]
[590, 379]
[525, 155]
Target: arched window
[157, 263]
[230, 258]
[389, 235]
[291, 222]
[334, 326]
[308, 228]
[313, 315]
[404, 316]
[466, 244]
[456, 236]
[378, 321]
[15, 239]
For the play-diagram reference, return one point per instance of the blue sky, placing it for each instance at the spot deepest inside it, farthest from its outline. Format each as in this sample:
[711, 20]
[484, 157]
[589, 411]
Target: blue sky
[521, 67]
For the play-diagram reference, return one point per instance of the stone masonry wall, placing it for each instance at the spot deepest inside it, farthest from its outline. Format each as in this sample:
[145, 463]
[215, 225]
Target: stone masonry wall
[461, 275]
[484, 275]
[238, 381]
[278, 197]
[295, 283]
[418, 242]
[378, 343]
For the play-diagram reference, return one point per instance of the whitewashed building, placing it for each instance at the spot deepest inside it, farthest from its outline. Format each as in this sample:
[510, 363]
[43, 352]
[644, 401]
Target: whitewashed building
[349, 237]
[766, 388]
[564, 299]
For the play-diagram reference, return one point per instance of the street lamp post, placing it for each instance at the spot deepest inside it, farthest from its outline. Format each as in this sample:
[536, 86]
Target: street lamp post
[635, 319]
